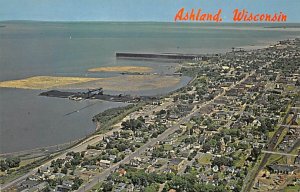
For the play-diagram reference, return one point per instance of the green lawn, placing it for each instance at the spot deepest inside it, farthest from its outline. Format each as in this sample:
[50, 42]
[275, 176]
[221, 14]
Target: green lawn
[242, 157]
[168, 147]
[290, 88]
[295, 188]
[274, 158]
[204, 159]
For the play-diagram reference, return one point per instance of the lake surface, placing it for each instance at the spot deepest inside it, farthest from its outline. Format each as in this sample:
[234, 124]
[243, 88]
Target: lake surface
[70, 49]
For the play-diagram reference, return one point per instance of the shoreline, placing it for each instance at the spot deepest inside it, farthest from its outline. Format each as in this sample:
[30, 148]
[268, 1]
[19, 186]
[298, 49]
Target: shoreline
[28, 151]
[170, 92]
[81, 144]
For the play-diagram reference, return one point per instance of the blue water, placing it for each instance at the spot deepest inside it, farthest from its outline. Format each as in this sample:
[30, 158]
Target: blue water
[70, 49]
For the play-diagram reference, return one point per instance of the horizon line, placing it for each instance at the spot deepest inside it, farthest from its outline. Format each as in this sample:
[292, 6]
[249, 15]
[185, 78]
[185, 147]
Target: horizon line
[146, 21]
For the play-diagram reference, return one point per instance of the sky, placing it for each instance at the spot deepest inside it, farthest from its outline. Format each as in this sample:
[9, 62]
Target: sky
[136, 10]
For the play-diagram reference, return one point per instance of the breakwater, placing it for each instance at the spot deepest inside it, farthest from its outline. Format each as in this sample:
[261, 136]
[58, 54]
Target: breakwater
[173, 56]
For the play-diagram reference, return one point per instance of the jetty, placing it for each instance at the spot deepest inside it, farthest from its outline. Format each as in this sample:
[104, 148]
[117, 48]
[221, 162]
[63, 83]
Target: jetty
[172, 56]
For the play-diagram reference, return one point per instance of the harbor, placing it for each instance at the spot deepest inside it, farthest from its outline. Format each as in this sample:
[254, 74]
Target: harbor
[97, 94]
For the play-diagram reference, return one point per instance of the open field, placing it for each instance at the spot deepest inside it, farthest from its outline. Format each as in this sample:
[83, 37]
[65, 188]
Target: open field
[121, 69]
[119, 83]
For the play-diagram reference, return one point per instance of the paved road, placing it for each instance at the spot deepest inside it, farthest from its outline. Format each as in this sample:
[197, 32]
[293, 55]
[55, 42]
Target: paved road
[96, 138]
[291, 126]
[278, 153]
[271, 147]
[190, 163]
[78, 148]
[103, 175]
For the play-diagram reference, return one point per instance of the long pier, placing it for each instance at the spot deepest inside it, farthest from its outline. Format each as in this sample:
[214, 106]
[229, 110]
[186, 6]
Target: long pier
[173, 56]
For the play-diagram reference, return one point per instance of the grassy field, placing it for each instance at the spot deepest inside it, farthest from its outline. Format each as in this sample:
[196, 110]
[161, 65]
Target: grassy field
[204, 159]
[121, 69]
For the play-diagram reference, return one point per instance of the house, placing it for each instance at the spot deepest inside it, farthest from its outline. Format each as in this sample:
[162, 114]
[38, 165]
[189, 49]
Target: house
[130, 188]
[59, 175]
[36, 188]
[120, 187]
[44, 169]
[91, 167]
[40, 187]
[112, 157]
[184, 153]
[297, 160]
[104, 163]
[176, 164]
[29, 184]
[215, 168]
[185, 108]
[67, 183]
[135, 162]
[33, 178]
[122, 172]
[150, 169]
[283, 169]
[63, 188]
[156, 102]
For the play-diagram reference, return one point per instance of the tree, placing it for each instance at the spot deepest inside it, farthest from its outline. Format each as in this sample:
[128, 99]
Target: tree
[107, 186]
[154, 135]
[122, 147]
[3, 165]
[13, 162]
[68, 165]
[46, 189]
[77, 182]
[219, 161]
[64, 170]
[255, 152]
[55, 169]
[152, 188]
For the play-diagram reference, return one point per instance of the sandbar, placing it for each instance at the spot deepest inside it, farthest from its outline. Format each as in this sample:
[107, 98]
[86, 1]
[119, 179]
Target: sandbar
[44, 82]
[129, 83]
[140, 69]
[118, 83]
